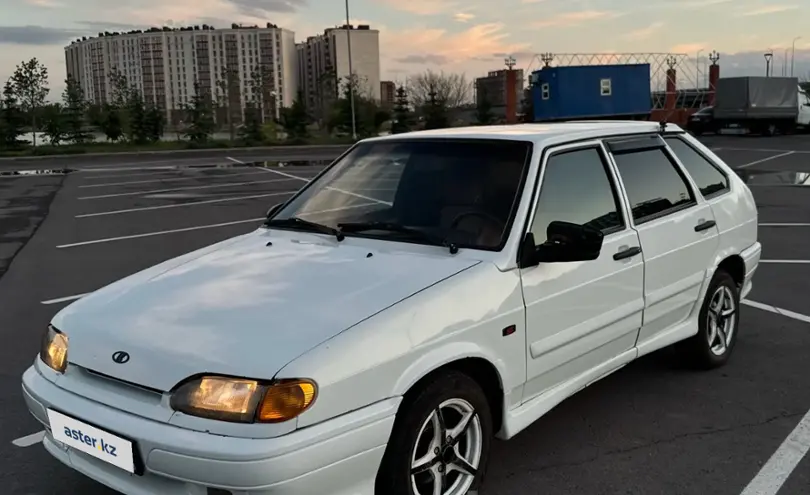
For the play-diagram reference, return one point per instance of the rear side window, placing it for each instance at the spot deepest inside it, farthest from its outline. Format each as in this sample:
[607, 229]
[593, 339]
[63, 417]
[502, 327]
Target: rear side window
[655, 187]
[710, 180]
[577, 189]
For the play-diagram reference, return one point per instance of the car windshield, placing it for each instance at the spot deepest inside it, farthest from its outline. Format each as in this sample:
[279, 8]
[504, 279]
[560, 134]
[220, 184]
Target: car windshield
[463, 192]
[705, 111]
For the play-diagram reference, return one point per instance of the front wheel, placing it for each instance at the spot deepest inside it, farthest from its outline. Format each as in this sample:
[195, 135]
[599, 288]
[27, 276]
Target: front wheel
[440, 442]
[718, 322]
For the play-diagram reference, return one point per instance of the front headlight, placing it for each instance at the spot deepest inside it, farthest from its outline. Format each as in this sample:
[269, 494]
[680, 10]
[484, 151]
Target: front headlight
[54, 349]
[244, 401]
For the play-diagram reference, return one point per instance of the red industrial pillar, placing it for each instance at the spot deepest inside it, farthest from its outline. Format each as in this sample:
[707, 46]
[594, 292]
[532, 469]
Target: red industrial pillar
[672, 76]
[511, 96]
[714, 75]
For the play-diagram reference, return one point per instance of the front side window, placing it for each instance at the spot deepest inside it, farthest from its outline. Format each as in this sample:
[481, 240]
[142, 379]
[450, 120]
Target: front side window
[459, 191]
[708, 178]
[654, 185]
[577, 189]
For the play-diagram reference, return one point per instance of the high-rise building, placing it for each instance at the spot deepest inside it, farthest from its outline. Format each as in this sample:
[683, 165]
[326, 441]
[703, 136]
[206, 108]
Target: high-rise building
[388, 93]
[164, 63]
[323, 64]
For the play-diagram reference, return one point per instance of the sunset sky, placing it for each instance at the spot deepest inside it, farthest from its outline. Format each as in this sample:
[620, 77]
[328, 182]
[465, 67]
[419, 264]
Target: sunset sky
[470, 36]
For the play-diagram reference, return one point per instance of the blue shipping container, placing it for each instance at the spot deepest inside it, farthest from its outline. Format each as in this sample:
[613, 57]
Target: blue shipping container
[591, 92]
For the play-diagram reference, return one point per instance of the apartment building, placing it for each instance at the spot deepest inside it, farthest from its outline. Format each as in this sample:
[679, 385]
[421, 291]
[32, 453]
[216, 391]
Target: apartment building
[388, 93]
[494, 87]
[323, 64]
[164, 63]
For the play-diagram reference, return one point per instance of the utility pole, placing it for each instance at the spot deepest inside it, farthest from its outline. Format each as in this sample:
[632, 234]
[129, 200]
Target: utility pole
[351, 72]
[793, 56]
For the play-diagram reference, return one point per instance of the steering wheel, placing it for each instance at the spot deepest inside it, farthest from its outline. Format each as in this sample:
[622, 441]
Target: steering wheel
[480, 214]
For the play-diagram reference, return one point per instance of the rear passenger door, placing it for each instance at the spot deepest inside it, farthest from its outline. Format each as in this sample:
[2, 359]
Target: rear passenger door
[678, 233]
[581, 316]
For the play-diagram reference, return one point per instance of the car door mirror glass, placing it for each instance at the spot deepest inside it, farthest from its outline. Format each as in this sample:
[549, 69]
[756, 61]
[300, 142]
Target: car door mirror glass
[569, 242]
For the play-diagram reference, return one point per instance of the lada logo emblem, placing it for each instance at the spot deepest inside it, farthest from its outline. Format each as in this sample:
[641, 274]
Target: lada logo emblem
[120, 357]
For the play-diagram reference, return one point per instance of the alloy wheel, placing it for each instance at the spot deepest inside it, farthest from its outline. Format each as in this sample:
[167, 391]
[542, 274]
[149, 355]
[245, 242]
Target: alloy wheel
[448, 450]
[722, 316]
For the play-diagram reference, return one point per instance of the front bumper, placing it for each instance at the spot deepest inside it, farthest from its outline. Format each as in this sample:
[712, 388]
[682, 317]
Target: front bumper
[339, 456]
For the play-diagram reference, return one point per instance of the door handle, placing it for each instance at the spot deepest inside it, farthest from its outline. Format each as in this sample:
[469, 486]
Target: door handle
[627, 253]
[705, 225]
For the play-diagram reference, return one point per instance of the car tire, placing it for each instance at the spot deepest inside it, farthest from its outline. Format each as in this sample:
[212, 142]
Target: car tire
[714, 342]
[457, 397]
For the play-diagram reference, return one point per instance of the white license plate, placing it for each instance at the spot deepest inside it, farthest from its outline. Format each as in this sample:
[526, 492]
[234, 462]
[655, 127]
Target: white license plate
[90, 440]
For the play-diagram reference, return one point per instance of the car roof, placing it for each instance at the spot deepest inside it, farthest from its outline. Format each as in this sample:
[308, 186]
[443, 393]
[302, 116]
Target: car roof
[550, 133]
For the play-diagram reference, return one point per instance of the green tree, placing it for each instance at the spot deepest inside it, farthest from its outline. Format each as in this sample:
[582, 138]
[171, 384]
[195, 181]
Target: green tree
[200, 116]
[228, 99]
[403, 119]
[155, 124]
[75, 112]
[31, 86]
[54, 123]
[295, 120]
[11, 119]
[436, 113]
[483, 111]
[251, 132]
[138, 123]
[110, 123]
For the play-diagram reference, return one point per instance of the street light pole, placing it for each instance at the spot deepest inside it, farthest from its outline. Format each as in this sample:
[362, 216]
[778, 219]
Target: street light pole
[351, 72]
[793, 55]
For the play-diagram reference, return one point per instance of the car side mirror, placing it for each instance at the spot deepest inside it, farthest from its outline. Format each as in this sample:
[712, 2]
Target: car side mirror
[567, 242]
[273, 209]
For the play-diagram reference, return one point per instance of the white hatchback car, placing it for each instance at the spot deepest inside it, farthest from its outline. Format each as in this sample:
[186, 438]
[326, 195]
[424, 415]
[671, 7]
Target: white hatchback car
[424, 294]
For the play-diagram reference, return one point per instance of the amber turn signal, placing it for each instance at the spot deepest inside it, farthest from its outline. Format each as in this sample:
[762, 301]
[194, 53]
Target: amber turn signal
[285, 400]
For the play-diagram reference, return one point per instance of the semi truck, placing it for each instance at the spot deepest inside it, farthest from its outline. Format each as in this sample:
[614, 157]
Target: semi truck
[762, 105]
[591, 92]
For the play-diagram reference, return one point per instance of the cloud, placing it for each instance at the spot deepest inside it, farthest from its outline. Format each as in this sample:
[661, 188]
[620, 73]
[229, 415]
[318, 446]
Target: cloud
[37, 35]
[440, 47]
[644, 33]
[688, 48]
[422, 7]
[259, 8]
[696, 4]
[463, 17]
[568, 19]
[48, 4]
[424, 59]
[771, 9]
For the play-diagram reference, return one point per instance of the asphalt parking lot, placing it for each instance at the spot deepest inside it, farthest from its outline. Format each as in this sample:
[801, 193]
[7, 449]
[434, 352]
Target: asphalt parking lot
[651, 428]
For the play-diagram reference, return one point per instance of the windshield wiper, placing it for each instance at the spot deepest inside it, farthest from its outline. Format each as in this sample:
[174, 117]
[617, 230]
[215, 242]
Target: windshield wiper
[413, 233]
[300, 223]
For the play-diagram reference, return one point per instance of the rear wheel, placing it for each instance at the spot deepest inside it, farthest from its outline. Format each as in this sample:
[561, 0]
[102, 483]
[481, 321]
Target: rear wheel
[718, 323]
[440, 442]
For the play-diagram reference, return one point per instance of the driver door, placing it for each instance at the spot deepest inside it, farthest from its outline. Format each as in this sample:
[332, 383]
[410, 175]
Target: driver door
[583, 315]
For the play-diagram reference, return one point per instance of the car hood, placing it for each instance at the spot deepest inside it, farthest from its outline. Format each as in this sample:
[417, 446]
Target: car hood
[241, 307]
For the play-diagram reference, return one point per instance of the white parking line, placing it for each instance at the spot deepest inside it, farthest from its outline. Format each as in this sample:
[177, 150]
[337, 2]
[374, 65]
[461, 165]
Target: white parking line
[777, 470]
[188, 188]
[29, 440]
[784, 225]
[196, 177]
[787, 262]
[180, 205]
[779, 311]
[757, 162]
[291, 176]
[64, 299]
[161, 232]
[154, 171]
[763, 150]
